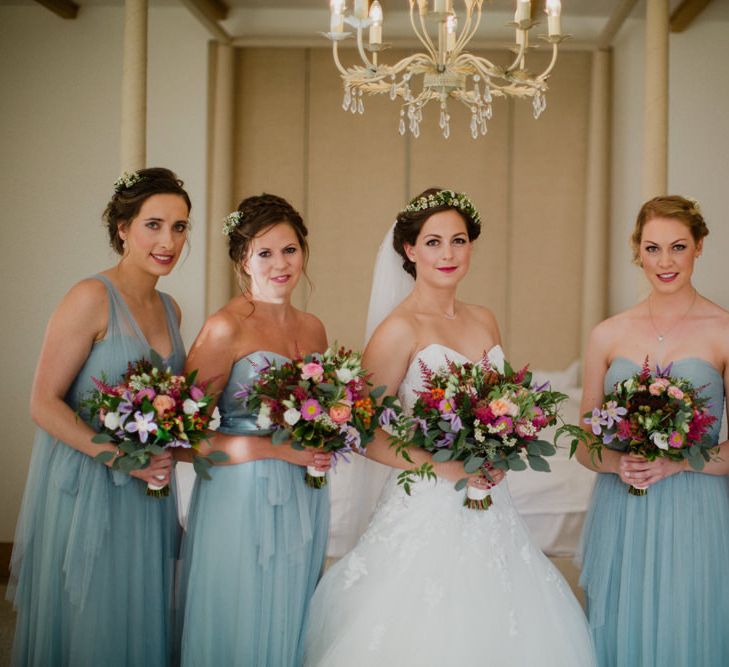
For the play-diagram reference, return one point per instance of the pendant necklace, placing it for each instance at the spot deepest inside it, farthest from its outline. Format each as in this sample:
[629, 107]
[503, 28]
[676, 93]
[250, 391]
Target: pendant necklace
[660, 336]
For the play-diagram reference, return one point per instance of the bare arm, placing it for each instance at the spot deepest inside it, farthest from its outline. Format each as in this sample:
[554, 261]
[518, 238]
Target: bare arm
[80, 319]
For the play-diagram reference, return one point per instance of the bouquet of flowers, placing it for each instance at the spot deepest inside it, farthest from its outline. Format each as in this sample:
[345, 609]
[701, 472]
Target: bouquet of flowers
[321, 401]
[651, 415]
[148, 411]
[473, 413]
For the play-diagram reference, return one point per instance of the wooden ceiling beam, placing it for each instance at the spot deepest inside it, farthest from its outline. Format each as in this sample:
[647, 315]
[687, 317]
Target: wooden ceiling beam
[66, 9]
[684, 15]
[209, 13]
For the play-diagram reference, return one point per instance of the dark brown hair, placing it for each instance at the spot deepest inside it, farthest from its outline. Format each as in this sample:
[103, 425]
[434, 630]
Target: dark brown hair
[126, 202]
[409, 224]
[670, 206]
[259, 213]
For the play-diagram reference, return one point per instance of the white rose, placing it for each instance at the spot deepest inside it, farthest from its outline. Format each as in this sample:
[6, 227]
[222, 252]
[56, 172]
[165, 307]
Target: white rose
[189, 407]
[292, 416]
[660, 440]
[344, 375]
[112, 421]
[214, 424]
[263, 421]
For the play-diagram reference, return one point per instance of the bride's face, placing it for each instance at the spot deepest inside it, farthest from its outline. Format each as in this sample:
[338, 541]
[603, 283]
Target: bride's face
[442, 251]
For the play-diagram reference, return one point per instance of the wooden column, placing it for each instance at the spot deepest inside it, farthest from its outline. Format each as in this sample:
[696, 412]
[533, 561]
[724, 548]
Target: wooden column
[655, 120]
[134, 87]
[220, 176]
[597, 201]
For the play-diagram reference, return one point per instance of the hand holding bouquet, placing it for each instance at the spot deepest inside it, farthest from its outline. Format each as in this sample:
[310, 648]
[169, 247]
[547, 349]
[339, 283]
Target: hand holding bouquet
[470, 412]
[148, 411]
[321, 401]
[653, 415]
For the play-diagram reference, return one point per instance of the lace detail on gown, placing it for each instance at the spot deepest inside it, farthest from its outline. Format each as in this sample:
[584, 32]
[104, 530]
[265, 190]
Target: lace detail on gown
[431, 582]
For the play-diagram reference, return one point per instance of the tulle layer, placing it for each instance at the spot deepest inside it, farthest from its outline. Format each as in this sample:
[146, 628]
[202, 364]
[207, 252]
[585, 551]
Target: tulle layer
[434, 583]
[654, 570]
[93, 565]
[250, 561]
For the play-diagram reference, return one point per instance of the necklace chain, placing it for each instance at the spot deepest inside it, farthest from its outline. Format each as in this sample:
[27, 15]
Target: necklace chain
[660, 336]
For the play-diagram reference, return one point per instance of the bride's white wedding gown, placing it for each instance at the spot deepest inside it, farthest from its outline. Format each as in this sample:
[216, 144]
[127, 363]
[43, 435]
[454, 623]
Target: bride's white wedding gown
[434, 583]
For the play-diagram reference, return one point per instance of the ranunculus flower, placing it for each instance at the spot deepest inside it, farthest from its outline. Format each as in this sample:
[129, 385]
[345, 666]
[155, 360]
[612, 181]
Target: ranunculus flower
[344, 375]
[263, 421]
[147, 392]
[196, 394]
[340, 412]
[660, 440]
[112, 420]
[190, 407]
[291, 416]
[674, 392]
[656, 388]
[310, 409]
[313, 371]
[503, 406]
[163, 403]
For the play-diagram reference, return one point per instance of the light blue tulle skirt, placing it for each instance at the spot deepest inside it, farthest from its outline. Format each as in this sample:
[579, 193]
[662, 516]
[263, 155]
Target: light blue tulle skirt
[655, 572]
[251, 558]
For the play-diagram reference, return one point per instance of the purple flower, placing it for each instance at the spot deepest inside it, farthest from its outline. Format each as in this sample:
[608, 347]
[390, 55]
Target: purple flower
[541, 387]
[446, 441]
[388, 414]
[244, 391]
[352, 438]
[596, 421]
[455, 420]
[142, 425]
[613, 413]
[419, 421]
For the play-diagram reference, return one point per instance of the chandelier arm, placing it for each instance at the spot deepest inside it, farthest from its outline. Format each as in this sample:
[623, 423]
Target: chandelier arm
[426, 40]
[390, 70]
[519, 60]
[362, 54]
[466, 35]
[546, 72]
[417, 32]
[484, 65]
[335, 55]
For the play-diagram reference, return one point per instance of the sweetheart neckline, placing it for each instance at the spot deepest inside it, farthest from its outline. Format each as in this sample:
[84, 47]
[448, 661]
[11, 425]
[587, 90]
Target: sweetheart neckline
[675, 361]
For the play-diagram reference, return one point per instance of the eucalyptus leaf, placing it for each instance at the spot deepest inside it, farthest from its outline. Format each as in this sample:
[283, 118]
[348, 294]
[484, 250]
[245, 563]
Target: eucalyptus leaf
[156, 360]
[516, 463]
[216, 456]
[442, 455]
[104, 457]
[461, 483]
[201, 467]
[444, 426]
[102, 438]
[155, 450]
[538, 463]
[377, 392]
[473, 464]
[280, 435]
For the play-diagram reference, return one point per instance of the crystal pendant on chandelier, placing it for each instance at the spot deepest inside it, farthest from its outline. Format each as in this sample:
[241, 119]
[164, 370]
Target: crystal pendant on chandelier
[446, 70]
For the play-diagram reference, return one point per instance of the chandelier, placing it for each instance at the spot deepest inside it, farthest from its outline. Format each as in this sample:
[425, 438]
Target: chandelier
[447, 70]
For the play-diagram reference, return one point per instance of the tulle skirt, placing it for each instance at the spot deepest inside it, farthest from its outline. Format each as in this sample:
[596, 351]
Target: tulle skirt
[655, 572]
[93, 565]
[434, 583]
[251, 558]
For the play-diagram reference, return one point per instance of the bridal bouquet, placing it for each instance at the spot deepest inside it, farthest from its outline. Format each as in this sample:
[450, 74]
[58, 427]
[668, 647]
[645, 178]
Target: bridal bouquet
[148, 411]
[321, 400]
[473, 413]
[651, 415]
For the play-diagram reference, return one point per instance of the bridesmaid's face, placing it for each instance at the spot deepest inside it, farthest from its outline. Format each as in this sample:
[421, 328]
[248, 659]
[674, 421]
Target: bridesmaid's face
[274, 264]
[155, 238]
[442, 251]
[667, 254]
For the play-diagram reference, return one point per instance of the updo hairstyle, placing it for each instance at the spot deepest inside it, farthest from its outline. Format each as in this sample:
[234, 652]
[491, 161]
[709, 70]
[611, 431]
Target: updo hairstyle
[257, 215]
[126, 201]
[409, 223]
[669, 206]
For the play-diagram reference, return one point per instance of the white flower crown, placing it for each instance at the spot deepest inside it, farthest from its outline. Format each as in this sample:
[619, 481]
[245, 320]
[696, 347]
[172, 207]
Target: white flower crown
[458, 200]
[127, 180]
[231, 221]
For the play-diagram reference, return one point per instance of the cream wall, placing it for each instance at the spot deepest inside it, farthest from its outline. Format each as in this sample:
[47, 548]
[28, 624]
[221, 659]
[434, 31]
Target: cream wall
[349, 175]
[698, 147]
[59, 141]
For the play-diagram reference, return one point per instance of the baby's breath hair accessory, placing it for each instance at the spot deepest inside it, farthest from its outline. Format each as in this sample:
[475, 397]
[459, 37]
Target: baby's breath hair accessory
[231, 221]
[458, 200]
[695, 208]
[127, 180]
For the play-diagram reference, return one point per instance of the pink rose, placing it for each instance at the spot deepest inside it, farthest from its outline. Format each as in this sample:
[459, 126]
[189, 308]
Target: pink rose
[147, 392]
[674, 392]
[656, 388]
[313, 371]
[163, 404]
[503, 406]
[340, 413]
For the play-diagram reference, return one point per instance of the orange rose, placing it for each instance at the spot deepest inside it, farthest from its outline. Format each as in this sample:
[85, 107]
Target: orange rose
[163, 403]
[340, 413]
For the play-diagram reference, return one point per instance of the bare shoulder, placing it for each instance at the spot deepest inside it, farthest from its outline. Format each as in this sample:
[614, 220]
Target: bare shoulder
[484, 315]
[222, 328]
[311, 323]
[86, 303]
[398, 329]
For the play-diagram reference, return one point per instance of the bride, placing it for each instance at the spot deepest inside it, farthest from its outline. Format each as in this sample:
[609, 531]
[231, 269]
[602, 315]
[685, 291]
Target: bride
[432, 582]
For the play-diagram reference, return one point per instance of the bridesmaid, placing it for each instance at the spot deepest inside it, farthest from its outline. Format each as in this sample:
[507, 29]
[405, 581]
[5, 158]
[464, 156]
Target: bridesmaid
[257, 533]
[94, 556]
[654, 567]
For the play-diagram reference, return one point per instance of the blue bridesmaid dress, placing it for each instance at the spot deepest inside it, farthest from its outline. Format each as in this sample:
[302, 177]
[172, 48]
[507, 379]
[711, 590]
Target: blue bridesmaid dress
[253, 551]
[655, 567]
[93, 561]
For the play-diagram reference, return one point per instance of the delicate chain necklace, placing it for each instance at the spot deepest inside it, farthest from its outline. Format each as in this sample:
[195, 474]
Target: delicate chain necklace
[660, 336]
[443, 313]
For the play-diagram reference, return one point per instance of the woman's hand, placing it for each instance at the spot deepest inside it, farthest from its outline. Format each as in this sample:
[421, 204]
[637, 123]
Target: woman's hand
[307, 457]
[157, 472]
[641, 473]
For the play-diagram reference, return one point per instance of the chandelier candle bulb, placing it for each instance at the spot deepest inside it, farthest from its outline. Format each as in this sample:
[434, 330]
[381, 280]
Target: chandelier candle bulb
[523, 11]
[553, 9]
[376, 26]
[336, 20]
[361, 10]
[451, 26]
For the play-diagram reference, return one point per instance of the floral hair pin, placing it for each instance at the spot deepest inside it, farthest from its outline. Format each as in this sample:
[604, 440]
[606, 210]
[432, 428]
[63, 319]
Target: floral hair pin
[127, 180]
[458, 200]
[231, 221]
